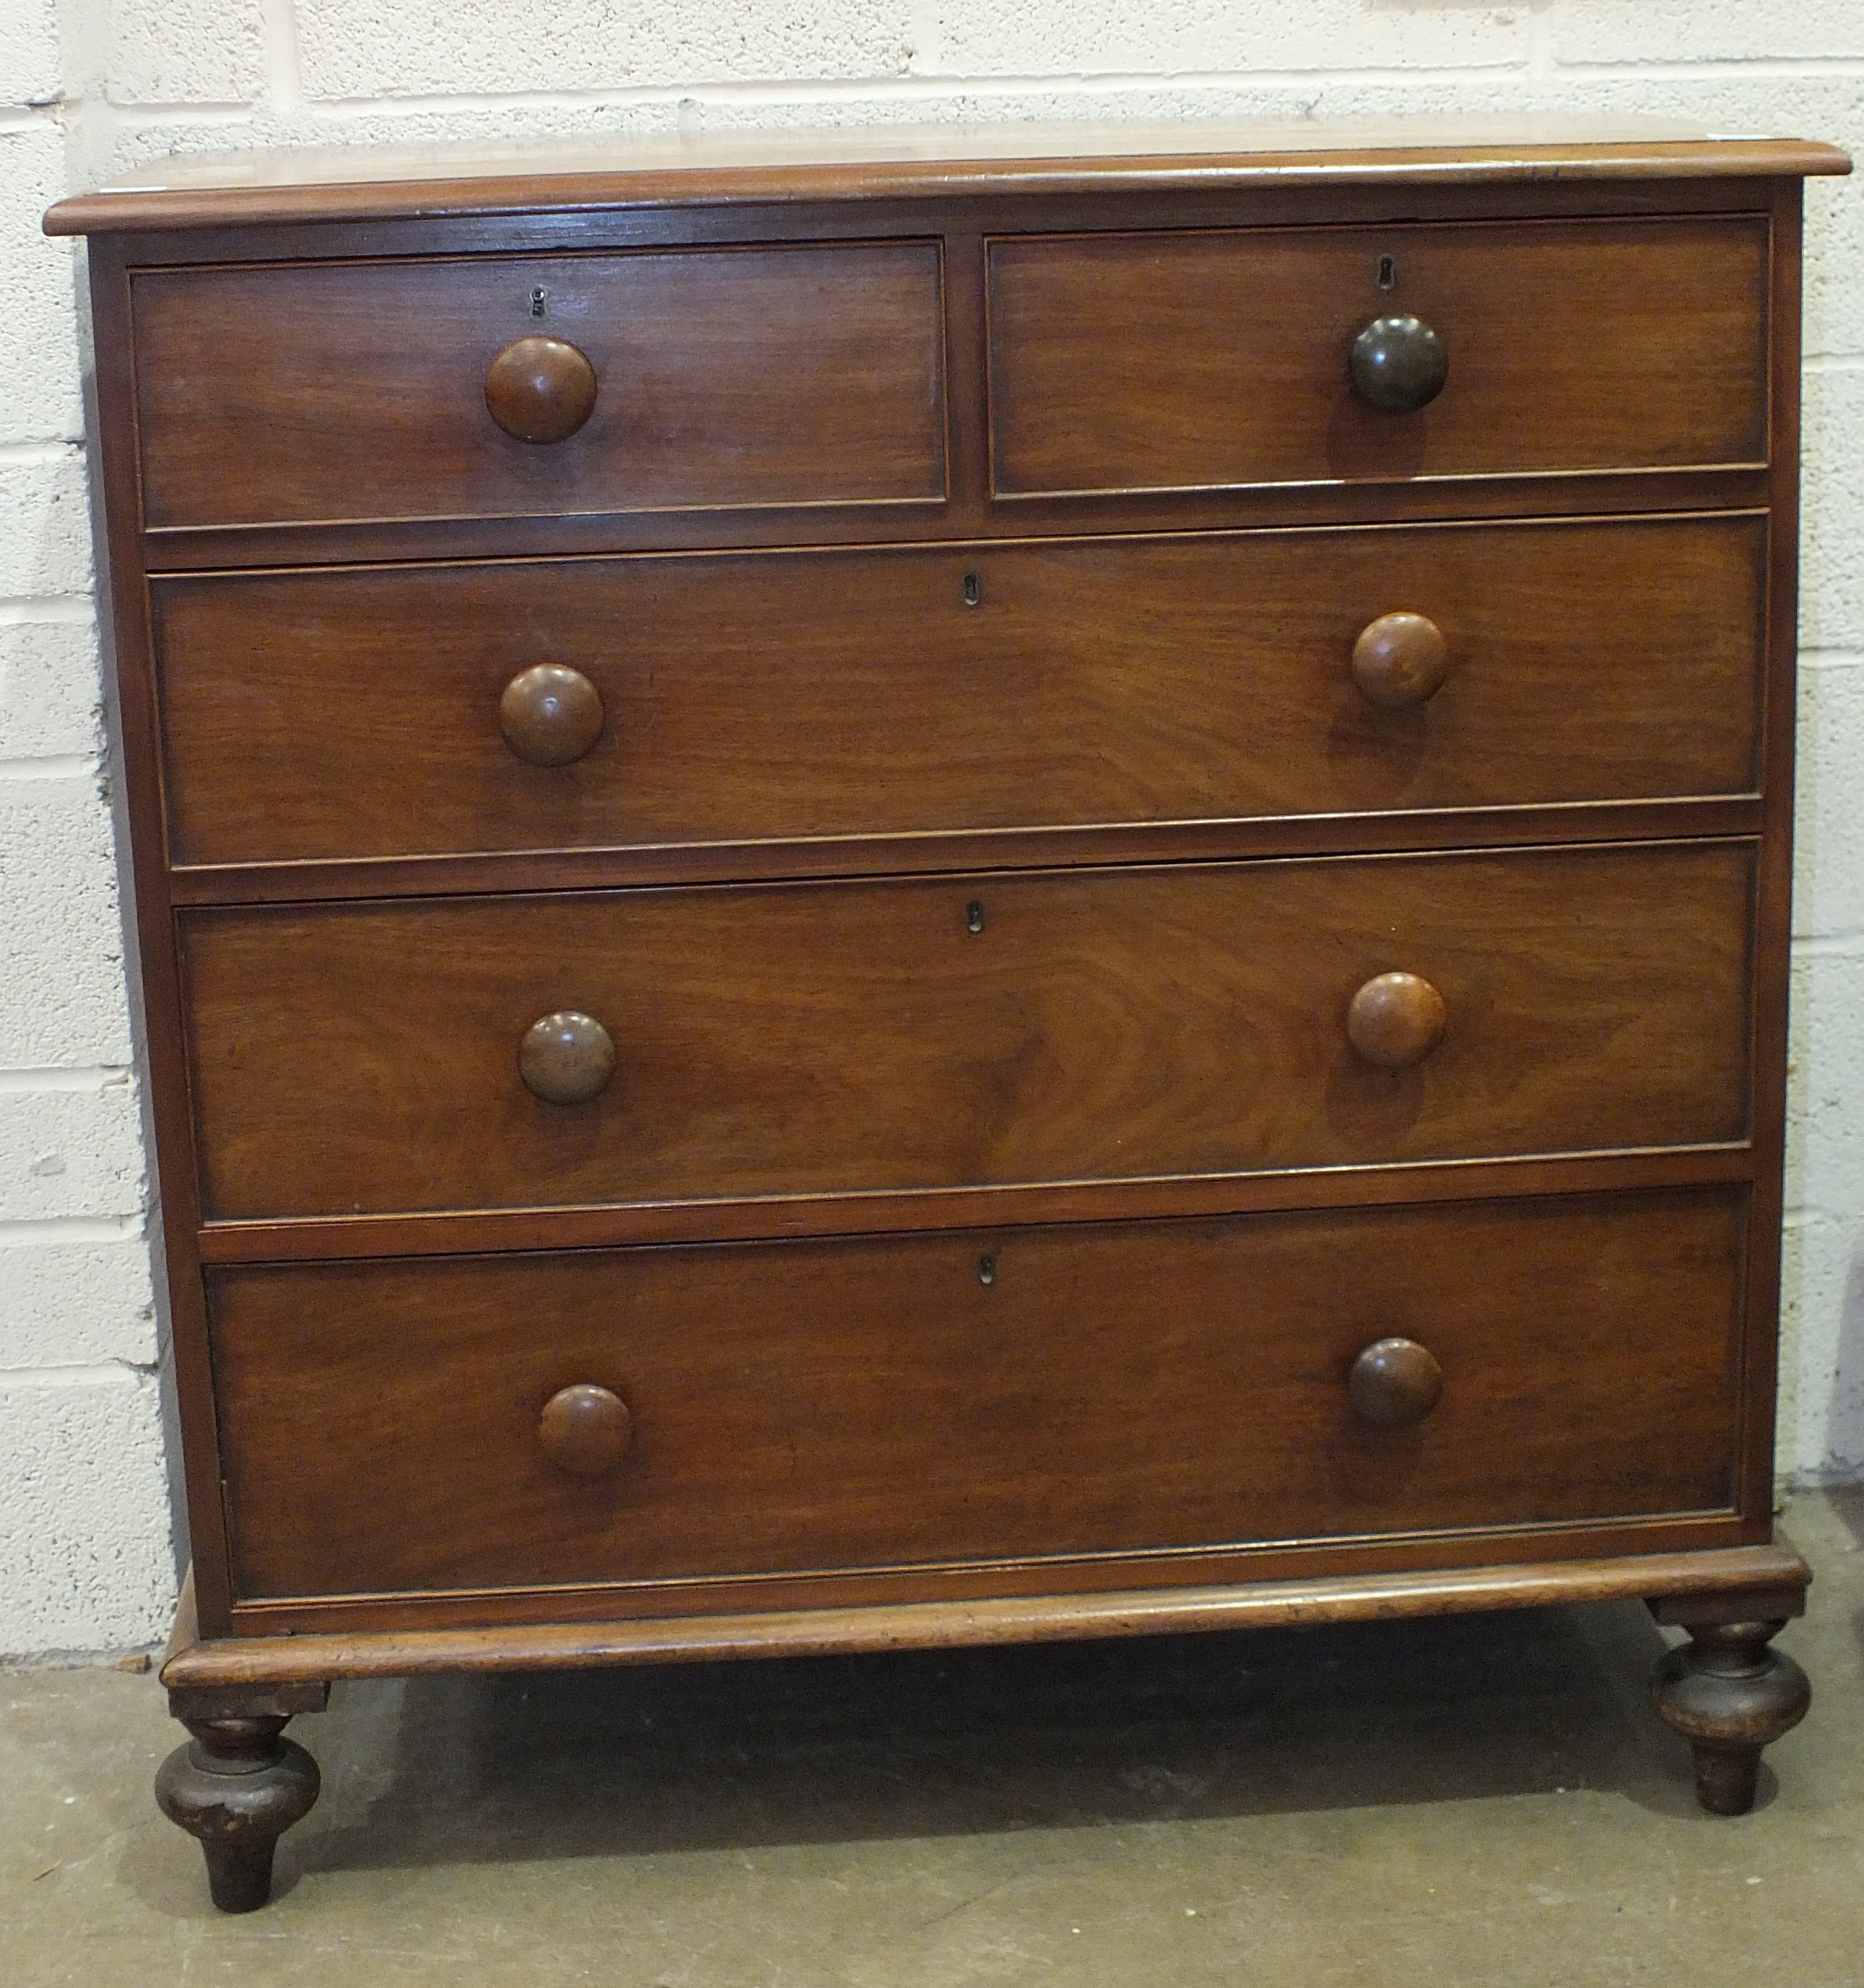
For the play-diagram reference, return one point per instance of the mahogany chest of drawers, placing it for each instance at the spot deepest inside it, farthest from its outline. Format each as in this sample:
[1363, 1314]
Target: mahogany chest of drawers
[902, 891]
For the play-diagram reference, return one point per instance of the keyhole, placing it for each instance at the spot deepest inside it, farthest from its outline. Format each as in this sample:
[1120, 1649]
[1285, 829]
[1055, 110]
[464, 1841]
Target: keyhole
[540, 303]
[973, 590]
[986, 1269]
[1388, 272]
[974, 915]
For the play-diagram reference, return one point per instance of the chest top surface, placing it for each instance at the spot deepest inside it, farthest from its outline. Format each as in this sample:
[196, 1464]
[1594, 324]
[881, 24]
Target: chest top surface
[354, 183]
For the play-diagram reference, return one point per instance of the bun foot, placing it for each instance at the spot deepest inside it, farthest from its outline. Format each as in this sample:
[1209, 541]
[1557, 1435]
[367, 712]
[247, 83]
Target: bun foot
[237, 1786]
[1729, 1695]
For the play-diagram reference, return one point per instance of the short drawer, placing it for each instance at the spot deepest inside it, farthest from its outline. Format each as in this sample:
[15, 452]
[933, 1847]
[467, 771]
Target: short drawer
[666, 1045]
[784, 1407]
[756, 697]
[720, 378]
[1208, 359]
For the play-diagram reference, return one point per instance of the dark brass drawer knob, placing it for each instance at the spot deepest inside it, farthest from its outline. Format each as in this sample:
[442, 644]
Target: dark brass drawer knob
[1396, 1020]
[1401, 659]
[540, 389]
[567, 1058]
[550, 715]
[1399, 365]
[1394, 1383]
[585, 1430]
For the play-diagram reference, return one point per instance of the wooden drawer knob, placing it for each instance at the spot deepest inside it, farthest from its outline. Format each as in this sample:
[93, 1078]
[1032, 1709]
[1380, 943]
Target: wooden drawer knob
[567, 1058]
[585, 1430]
[1399, 365]
[1396, 1020]
[550, 715]
[540, 389]
[1401, 659]
[1394, 1383]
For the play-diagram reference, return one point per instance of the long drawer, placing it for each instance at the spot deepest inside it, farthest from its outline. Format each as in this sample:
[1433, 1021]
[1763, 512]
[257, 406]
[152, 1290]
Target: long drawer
[1208, 358]
[656, 1044]
[428, 709]
[715, 378]
[900, 1401]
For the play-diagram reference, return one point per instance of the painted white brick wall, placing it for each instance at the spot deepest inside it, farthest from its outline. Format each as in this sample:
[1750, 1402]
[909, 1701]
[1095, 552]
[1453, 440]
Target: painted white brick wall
[30, 70]
[1685, 33]
[88, 86]
[431, 48]
[39, 359]
[86, 1558]
[186, 52]
[1034, 38]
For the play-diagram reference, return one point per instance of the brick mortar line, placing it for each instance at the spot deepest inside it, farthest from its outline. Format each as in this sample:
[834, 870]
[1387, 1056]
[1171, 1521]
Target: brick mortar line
[284, 71]
[86, 1374]
[1810, 946]
[55, 1080]
[158, 112]
[779, 92]
[62, 610]
[69, 1231]
[1707, 68]
[929, 85]
[40, 769]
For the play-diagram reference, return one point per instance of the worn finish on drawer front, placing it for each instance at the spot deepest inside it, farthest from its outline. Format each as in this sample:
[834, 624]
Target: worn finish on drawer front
[815, 1406]
[356, 714]
[1200, 359]
[799, 1039]
[726, 378]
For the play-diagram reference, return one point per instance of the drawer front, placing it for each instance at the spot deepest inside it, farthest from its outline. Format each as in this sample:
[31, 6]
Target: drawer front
[722, 378]
[1200, 359]
[797, 1406]
[748, 697]
[808, 1039]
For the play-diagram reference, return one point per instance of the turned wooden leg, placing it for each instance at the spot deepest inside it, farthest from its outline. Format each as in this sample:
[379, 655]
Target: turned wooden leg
[1729, 1695]
[238, 1784]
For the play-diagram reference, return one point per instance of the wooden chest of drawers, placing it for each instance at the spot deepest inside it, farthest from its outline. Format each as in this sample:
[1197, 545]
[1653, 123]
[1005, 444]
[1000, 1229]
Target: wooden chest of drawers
[899, 892]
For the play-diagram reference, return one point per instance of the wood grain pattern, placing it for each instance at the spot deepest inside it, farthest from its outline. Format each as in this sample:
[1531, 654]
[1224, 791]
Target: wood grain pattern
[1774, 1572]
[132, 723]
[802, 1038]
[348, 1238]
[919, 1414]
[964, 849]
[1202, 359]
[803, 695]
[1451, 500]
[859, 166]
[1636, 704]
[1773, 964]
[807, 374]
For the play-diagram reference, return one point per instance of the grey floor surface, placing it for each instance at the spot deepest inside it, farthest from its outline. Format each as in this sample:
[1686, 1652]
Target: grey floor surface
[1481, 1801]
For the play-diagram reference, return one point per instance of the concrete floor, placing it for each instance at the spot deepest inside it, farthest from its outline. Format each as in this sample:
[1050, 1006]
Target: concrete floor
[1482, 1802]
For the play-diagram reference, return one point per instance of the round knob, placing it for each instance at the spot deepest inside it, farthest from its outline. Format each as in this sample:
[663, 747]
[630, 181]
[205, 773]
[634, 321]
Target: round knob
[1396, 1020]
[1394, 1383]
[586, 1430]
[550, 715]
[1398, 364]
[1401, 659]
[567, 1058]
[540, 389]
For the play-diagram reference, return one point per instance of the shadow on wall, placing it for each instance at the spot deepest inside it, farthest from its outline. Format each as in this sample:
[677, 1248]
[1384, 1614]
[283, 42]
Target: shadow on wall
[1842, 1460]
